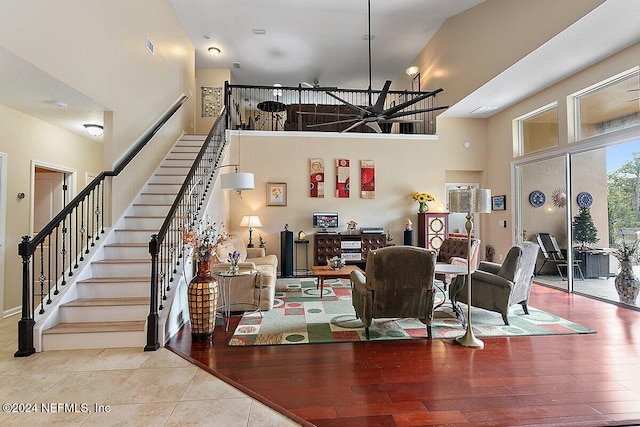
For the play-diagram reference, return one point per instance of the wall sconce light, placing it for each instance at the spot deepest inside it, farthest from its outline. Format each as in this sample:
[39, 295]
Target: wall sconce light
[214, 51]
[412, 71]
[94, 130]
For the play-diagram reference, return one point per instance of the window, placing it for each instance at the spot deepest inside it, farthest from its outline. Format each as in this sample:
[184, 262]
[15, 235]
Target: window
[538, 130]
[608, 106]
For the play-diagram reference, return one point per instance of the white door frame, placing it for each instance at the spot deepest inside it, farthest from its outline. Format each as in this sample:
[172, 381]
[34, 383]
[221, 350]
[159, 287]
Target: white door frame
[3, 223]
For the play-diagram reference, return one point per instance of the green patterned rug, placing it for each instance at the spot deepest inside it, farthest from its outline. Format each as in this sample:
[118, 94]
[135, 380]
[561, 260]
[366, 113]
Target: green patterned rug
[300, 316]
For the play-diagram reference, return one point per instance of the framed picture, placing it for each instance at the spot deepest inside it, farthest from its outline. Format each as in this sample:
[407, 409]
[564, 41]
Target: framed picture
[276, 194]
[499, 203]
[415, 83]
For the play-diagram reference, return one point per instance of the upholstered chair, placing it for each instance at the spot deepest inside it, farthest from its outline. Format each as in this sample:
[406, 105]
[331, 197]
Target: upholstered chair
[246, 290]
[497, 287]
[454, 251]
[398, 282]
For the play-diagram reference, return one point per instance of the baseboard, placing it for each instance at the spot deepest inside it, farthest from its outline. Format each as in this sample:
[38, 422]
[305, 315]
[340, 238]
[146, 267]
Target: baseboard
[12, 312]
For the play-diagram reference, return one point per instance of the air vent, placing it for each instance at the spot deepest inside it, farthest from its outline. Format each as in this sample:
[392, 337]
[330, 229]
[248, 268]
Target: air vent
[259, 31]
[149, 45]
[235, 64]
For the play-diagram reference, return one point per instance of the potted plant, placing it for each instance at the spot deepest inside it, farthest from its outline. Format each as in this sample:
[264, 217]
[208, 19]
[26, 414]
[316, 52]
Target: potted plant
[584, 230]
[627, 284]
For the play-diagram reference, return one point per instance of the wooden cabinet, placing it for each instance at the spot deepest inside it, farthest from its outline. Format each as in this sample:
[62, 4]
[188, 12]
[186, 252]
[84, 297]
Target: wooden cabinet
[353, 247]
[433, 228]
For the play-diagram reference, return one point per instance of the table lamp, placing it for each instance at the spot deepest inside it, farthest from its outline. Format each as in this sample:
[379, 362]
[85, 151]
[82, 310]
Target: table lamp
[250, 221]
[470, 201]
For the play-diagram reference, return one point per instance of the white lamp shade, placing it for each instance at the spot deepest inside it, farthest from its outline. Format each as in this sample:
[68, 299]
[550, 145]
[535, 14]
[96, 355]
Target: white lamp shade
[470, 200]
[250, 221]
[237, 181]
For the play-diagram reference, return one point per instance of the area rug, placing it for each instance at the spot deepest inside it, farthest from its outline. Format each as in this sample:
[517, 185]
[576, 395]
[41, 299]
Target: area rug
[300, 316]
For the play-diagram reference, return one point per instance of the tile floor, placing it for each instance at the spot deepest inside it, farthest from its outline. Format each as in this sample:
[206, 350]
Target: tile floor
[138, 388]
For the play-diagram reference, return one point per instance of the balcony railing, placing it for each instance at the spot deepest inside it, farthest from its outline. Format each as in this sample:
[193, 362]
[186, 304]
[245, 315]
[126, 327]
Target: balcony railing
[270, 108]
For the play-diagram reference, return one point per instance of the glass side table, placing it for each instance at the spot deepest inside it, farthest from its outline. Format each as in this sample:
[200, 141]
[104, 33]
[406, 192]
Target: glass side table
[225, 280]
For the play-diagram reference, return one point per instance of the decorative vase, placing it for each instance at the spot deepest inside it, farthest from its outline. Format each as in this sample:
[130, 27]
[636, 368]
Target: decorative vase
[627, 284]
[202, 294]
[423, 207]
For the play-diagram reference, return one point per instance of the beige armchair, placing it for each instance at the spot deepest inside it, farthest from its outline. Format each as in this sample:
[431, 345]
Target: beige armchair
[454, 251]
[245, 290]
[398, 282]
[497, 287]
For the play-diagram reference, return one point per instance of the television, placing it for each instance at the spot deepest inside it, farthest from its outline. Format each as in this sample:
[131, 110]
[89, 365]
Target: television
[325, 220]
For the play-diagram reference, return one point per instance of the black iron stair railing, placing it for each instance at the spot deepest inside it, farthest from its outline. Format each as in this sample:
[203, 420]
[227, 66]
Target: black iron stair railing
[62, 244]
[166, 247]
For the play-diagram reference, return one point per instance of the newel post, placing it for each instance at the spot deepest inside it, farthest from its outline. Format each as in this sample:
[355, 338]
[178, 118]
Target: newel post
[152, 320]
[26, 323]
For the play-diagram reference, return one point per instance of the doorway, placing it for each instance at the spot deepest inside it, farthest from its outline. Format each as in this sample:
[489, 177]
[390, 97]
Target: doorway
[52, 190]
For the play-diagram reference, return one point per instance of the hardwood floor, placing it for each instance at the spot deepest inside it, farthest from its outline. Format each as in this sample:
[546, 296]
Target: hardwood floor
[562, 380]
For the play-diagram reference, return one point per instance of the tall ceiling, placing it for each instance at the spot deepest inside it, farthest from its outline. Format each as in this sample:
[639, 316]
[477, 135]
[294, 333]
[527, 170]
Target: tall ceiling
[305, 41]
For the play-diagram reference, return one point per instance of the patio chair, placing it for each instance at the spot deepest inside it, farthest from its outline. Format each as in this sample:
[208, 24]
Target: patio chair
[552, 253]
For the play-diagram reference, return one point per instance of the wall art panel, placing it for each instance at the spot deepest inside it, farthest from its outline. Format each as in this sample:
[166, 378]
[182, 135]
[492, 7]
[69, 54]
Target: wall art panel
[316, 187]
[367, 179]
[342, 178]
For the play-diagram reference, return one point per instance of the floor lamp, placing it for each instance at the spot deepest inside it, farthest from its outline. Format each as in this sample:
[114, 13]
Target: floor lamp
[469, 201]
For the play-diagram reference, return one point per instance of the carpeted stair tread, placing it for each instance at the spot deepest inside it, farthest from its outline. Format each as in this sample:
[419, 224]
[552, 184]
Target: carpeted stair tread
[86, 327]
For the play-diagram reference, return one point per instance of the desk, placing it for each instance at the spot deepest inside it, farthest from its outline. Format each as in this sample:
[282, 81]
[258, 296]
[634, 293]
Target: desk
[226, 277]
[325, 272]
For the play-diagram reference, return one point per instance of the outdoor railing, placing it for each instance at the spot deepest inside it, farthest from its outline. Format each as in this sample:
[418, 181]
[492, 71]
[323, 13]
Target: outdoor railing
[57, 251]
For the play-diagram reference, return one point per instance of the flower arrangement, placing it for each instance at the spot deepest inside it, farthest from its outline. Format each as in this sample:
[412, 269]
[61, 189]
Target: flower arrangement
[422, 199]
[233, 260]
[626, 251]
[204, 238]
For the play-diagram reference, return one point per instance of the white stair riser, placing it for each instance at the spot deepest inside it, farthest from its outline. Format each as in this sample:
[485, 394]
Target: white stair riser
[129, 269]
[143, 222]
[184, 154]
[133, 236]
[126, 252]
[114, 289]
[151, 210]
[156, 198]
[177, 179]
[182, 163]
[174, 170]
[163, 188]
[93, 340]
[109, 313]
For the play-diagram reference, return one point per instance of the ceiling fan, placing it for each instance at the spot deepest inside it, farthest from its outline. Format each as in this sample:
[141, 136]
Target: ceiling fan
[375, 114]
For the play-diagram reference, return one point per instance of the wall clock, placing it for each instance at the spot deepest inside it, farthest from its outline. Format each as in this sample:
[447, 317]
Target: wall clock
[537, 198]
[585, 199]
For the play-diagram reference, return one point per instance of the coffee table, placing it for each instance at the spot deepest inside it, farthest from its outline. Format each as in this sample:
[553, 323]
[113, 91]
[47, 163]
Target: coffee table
[325, 272]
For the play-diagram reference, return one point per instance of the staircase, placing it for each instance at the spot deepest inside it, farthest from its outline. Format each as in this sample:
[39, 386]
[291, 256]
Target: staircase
[112, 296]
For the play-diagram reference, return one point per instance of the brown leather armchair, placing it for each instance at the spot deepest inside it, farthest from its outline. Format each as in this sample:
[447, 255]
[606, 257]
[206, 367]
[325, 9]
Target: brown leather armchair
[398, 282]
[496, 287]
[454, 251]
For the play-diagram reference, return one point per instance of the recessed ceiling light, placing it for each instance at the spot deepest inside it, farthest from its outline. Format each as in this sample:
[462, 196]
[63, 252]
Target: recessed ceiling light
[214, 51]
[93, 129]
[259, 31]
